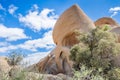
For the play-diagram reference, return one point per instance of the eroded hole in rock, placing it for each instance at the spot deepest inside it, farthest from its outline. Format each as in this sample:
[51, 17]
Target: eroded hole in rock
[70, 40]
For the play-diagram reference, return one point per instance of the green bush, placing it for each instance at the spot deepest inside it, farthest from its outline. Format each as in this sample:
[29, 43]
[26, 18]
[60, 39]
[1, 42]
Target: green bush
[87, 74]
[96, 51]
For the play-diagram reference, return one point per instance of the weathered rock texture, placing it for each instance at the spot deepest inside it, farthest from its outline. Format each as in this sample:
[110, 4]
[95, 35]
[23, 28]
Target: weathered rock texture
[116, 30]
[115, 27]
[4, 66]
[64, 37]
[72, 19]
[37, 76]
[106, 21]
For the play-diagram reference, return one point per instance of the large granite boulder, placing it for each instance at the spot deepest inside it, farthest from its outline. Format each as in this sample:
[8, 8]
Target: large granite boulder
[4, 66]
[116, 30]
[64, 37]
[106, 21]
[114, 26]
[72, 19]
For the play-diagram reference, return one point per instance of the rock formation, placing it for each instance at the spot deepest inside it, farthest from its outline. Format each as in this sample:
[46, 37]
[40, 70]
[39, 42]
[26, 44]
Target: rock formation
[4, 66]
[106, 21]
[115, 27]
[64, 37]
[72, 19]
[116, 30]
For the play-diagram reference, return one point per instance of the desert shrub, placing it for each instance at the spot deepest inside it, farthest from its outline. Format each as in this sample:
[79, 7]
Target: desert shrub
[24, 75]
[96, 50]
[14, 58]
[87, 74]
[105, 27]
[4, 76]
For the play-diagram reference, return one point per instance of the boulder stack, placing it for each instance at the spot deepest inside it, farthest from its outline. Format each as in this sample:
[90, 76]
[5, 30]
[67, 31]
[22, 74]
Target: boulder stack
[64, 37]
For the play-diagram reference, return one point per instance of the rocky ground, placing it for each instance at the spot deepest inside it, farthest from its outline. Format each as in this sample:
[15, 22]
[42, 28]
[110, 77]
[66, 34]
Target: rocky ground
[8, 72]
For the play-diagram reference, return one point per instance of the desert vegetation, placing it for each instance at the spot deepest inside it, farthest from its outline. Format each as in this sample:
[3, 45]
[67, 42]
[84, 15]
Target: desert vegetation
[94, 56]
[15, 57]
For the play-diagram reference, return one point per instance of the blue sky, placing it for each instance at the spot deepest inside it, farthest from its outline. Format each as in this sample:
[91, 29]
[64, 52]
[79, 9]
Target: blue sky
[27, 25]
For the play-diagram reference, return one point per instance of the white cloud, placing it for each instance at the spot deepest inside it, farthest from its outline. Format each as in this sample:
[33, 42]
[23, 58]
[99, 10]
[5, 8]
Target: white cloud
[114, 11]
[35, 6]
[32, 45]
[35, 20]
[12, 9]
[11, 34]
[39, 20]
[34, 58]
[30, 59]
[114, 14]
[2, 44]
[2, 8]
[7, 48]
[1, 17]
[3, 49]
[44, 42]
